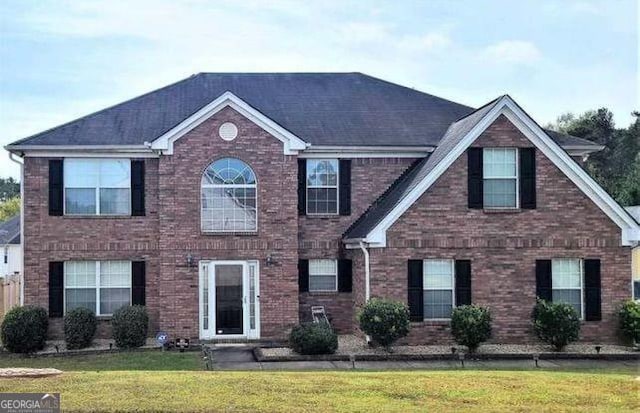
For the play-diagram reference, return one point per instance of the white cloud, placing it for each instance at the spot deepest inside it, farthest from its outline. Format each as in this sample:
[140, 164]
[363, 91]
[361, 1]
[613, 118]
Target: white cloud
[513, 52]
[428, 42]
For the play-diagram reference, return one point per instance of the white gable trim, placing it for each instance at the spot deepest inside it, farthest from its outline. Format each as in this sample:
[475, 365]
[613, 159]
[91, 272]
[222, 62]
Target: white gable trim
[292, 143]
[629, 228]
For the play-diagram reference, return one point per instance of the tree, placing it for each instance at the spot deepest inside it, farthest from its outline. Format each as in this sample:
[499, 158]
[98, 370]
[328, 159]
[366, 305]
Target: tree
[615, 168]
[9, 188]
[9, 208]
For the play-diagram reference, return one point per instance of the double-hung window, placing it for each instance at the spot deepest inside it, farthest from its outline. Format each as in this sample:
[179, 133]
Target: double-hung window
[100, 286]
[567, 282]
[322, 186]
[97, 186]
[500, 177]
[438, 284]
[323, 275]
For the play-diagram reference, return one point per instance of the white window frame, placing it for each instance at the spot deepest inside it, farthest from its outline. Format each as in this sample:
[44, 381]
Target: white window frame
[581, 267]
[335, 266]
[516, 177]
[336, 186]
[97, 286]
[96, 189]
[232, 186]
[453, 285]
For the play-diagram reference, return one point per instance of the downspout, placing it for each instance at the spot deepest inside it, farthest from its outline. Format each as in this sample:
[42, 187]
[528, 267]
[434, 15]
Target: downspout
[21, 226]
[367, 285]
[367, 276]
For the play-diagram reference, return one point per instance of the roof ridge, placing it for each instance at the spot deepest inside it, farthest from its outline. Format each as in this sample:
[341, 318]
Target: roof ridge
[21, 141]
[414, 165]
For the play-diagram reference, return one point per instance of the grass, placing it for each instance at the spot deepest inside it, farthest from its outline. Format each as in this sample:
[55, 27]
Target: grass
[93, 383]
[139, 360]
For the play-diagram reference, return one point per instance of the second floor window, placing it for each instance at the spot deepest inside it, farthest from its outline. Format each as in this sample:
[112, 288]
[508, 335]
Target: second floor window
[322, 186]
[500, 177]
[97, 186]
[229, 197]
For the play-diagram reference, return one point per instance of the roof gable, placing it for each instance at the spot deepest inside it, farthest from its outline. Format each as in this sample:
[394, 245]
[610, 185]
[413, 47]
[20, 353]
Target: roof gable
[457, 139]
[292, 144]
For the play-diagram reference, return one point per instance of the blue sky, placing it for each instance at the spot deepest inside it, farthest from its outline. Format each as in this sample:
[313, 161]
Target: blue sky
[61, 60]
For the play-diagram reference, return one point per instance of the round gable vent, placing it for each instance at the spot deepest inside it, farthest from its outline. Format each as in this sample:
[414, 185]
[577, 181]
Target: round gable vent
[228, 131]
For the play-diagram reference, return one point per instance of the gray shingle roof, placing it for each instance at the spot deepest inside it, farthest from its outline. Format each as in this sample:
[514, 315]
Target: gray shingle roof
[10, 231]
[415, 174]
[350, 109]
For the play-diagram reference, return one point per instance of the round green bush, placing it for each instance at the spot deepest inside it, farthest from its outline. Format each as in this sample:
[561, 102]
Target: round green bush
[629, 316]
[385, 321]
[24, 329]
[313, 338]
[471, 325]
[556, 323]
[130, 324]
[79, 328]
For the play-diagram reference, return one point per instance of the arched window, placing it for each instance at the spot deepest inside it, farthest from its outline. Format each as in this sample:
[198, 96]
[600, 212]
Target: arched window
[228, 191]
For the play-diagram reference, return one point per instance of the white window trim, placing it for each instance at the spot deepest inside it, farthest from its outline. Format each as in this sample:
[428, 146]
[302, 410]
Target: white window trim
[337, 186]
[453, 285]
[97, 287]
[249, 186]
[335, 289]
[517, 178]
[96, 190]
[581, 266]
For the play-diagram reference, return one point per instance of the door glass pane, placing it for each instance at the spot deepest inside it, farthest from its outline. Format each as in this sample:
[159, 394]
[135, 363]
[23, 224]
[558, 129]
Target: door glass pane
[252, 296]
[228, 282]
[205, 298]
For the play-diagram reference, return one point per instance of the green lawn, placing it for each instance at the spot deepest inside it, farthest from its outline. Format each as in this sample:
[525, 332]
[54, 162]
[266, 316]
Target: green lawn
[92, 383]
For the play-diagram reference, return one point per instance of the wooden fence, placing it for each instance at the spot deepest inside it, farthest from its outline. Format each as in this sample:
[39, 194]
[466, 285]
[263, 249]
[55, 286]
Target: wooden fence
[9, 293]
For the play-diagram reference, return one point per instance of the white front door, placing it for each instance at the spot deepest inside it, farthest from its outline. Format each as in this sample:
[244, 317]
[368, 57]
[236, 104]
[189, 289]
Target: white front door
[229, 299]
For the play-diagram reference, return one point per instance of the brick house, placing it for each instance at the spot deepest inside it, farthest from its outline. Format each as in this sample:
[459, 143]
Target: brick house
[229, 204]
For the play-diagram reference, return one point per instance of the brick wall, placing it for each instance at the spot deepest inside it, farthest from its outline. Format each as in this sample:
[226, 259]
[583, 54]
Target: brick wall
[503, 246]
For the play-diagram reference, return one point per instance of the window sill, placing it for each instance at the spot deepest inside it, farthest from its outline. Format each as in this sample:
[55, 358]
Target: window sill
[323, 216]
[323, 293]
[433, 322]
[99, 216]
[230, 233]
[502, 210]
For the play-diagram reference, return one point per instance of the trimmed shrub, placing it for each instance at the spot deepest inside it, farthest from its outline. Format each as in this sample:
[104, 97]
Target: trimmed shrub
[385, 321]
[556, 323]
[471, 325]
[79, 328]
[629, 316]
[24, 329]
[130, 324]
[313, 338]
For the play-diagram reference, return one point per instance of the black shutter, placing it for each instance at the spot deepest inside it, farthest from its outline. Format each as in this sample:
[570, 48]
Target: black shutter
[56, 288]
[592, 291]
[345, 276]
[474, 178]
[543, 280]
[302, 186]
[138, 283]
[414, 287]
[527, 178]
[137, 188]
[303, 276]
[345, 186]
[56, 186]
[463, 282]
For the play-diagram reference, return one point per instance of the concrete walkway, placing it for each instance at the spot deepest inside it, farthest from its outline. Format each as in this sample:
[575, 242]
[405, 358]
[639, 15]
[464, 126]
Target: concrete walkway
[241, 358]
